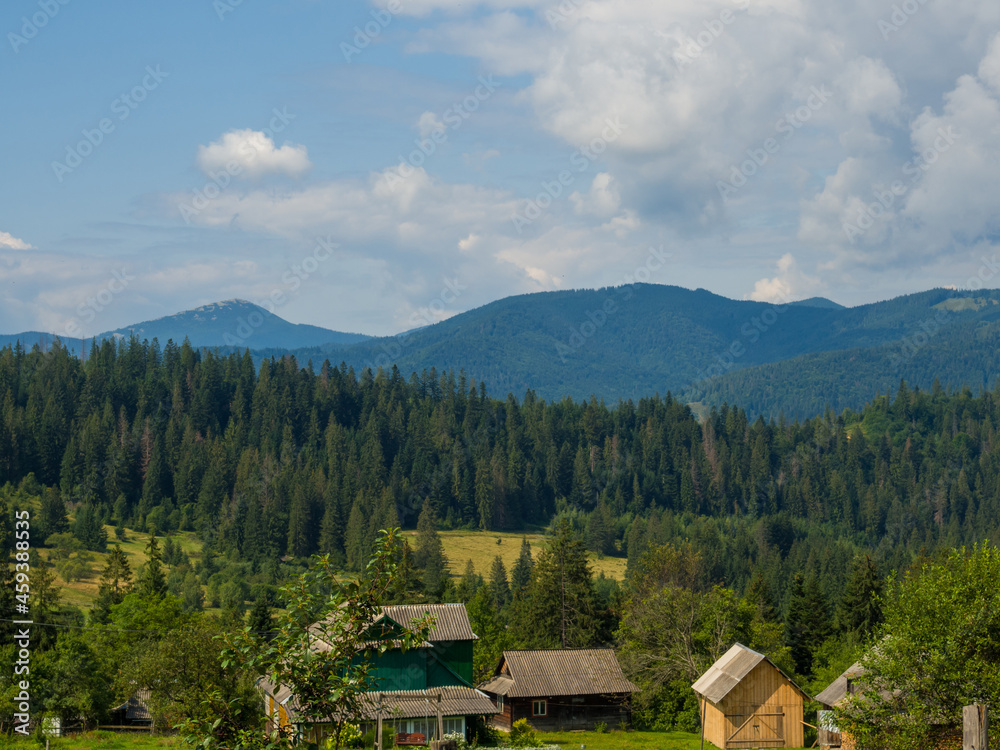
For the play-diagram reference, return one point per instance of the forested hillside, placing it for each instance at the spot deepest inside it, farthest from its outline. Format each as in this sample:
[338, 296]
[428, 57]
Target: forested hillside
[291, 461]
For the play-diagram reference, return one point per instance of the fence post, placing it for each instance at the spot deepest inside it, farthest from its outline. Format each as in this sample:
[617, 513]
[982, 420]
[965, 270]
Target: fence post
[975, 727]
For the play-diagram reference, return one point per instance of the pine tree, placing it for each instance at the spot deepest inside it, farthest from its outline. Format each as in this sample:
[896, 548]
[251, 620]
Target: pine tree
[88, 529]
[520, 574]
[259, 619]
[499, 587]
[760, 596]
[470, 583]
[860, 610]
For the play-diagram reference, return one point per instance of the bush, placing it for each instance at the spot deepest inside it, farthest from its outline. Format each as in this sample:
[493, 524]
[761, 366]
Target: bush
[522, 734]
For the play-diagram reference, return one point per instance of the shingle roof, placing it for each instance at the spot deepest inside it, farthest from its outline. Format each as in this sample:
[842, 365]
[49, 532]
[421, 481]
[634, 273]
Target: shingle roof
[585, 671]
[451, 620]
[136, 708]
[727, 672]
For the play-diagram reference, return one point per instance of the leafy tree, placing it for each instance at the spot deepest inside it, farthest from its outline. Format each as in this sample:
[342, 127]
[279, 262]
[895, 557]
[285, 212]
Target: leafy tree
[328, 683]
[935, 652]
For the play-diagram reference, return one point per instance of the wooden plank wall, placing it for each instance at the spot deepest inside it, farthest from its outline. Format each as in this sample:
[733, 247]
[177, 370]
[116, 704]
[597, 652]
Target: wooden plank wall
[766, 688]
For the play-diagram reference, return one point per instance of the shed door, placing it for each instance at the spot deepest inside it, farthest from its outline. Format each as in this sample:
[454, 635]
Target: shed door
[756, 726]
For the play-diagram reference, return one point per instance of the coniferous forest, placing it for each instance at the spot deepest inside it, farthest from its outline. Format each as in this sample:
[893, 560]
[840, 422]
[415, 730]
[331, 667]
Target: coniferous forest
[789, 528]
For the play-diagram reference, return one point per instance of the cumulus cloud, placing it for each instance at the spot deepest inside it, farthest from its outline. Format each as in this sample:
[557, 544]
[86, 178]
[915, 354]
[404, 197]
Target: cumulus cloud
[11, 242]
[252, 153]
[790, 283]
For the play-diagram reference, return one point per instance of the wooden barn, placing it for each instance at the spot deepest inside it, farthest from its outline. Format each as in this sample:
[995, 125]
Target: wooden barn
[560, 689]
[747, 702]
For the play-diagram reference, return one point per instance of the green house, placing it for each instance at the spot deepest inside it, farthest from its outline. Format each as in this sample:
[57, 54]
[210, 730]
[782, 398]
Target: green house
[414, 688]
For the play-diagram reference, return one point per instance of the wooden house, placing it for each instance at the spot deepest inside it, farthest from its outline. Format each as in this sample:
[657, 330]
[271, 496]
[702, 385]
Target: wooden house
[561, 689]
[747, 702]
[421, 693]
[832, 696]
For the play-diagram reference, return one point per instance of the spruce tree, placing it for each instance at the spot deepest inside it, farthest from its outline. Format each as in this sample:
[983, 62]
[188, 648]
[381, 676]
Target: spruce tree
[152, 583]
[807, 624]
[52, 518]
[116, 581]
[559, 609]
[429, 554]
[860, 610]
[520, 574]
[499, 587]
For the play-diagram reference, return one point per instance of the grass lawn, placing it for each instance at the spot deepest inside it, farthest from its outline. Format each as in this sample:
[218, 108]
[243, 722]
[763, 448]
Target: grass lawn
[625, 740]
[97, 741]
[481, 547]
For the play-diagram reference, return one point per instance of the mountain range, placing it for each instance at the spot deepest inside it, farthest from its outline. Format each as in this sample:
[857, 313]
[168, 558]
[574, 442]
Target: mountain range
[631, 341]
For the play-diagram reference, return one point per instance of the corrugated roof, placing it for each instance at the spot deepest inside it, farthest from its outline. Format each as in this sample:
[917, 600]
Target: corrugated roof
[836, 691]
[409, 704]
[136, 708]
[451, 620]
[584, 671]
[730, 668]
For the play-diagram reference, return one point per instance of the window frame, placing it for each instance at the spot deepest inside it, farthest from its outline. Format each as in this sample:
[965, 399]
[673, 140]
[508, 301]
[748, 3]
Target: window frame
[544, 704]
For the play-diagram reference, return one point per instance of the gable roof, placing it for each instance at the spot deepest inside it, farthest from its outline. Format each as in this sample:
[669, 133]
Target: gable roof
[729, 670]
[584, 671]
[451, 620]
[836, 691]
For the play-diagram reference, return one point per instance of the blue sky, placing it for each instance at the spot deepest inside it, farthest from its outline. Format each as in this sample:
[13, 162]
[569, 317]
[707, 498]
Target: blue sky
[757, 142]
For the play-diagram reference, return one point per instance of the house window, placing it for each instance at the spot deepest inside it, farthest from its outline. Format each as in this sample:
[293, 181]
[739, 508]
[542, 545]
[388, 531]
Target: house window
[454, 725]
[500, 703]
[539, 708]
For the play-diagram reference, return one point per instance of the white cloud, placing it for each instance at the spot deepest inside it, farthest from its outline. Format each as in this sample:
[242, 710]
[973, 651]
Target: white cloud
[789, 284]
[428, 123]
[11, 242]
[252, 153]
[602, 200]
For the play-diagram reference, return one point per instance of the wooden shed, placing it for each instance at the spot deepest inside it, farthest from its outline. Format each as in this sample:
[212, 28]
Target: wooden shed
[747, 702]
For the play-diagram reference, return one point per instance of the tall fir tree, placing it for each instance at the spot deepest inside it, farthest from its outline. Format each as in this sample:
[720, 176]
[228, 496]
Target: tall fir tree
[807, 624]
[499, 586]
[860, 610]
[152, 582]
[116, 582]
[520, 574]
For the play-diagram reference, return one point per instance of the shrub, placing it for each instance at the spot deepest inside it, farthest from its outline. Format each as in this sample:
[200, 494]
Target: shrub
[522, 734]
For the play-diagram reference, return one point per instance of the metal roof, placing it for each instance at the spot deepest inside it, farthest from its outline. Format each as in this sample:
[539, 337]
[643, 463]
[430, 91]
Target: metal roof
[730, 668]
[584, 671]
[412, 704]
[836, 691]
[402, 704]
[451, 620]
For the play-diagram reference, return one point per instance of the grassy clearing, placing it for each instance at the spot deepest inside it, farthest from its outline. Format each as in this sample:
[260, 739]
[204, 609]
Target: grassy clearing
[481, 547]
[83, 593]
